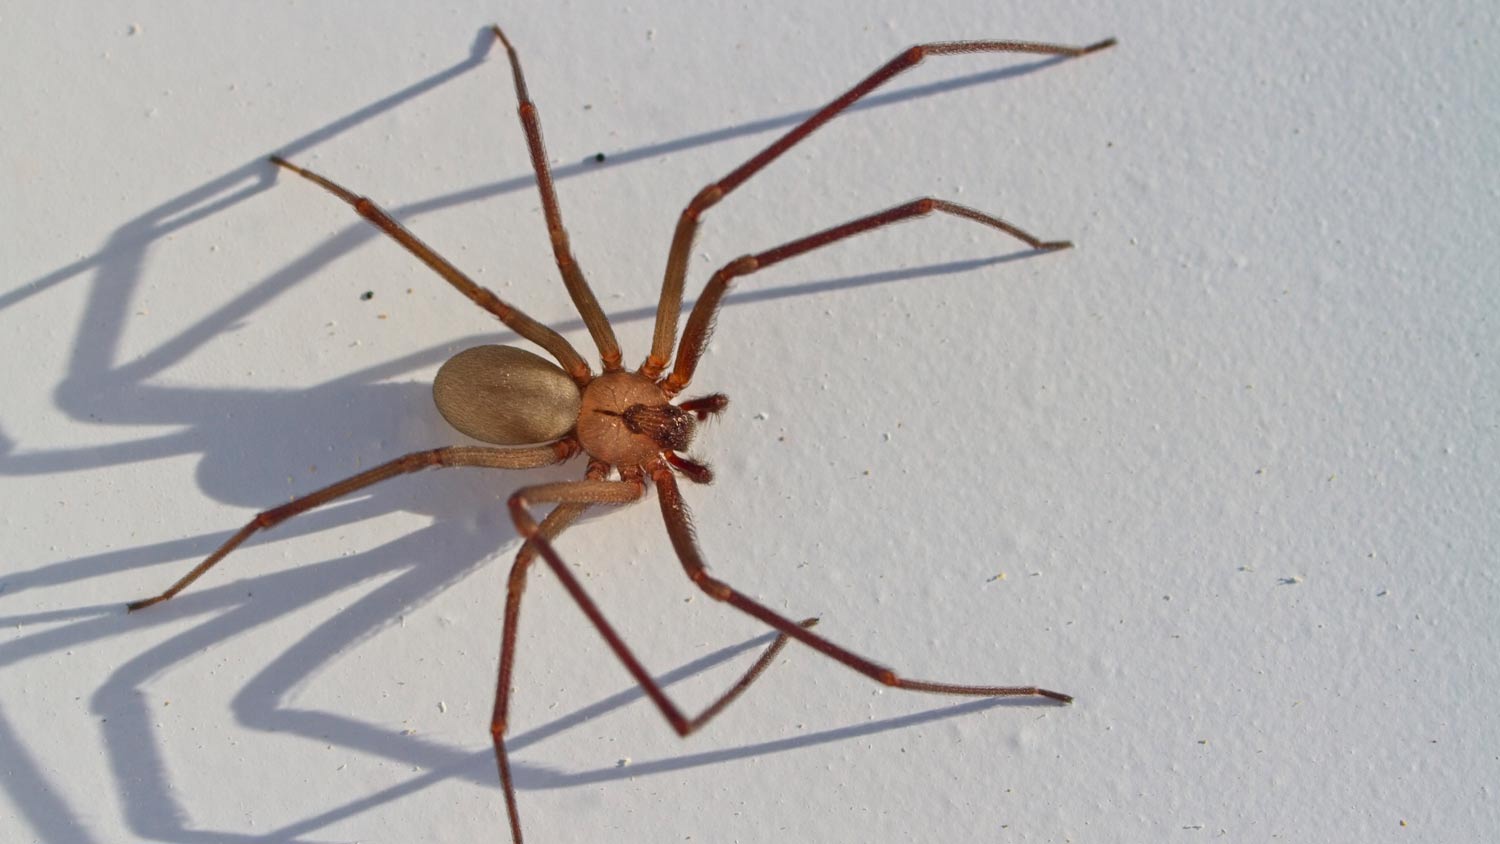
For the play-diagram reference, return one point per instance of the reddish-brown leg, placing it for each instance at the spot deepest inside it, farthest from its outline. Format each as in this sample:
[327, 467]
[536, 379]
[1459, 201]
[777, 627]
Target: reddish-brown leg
[670, 305]
[701, 322]
[578, 287]
[555, 523]
[479, 456]
[538, 538]
[680, 529]
[559, 348]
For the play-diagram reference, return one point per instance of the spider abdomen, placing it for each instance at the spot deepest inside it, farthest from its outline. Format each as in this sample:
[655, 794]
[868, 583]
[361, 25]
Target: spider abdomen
[506, 396]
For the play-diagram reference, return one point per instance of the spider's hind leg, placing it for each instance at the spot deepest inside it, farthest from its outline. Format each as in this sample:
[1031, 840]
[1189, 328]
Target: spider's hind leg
[560, 349]
[478, 456]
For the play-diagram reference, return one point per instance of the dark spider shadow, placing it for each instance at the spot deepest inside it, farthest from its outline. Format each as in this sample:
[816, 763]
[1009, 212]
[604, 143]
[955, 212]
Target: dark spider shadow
[261, 702]
[222, 426]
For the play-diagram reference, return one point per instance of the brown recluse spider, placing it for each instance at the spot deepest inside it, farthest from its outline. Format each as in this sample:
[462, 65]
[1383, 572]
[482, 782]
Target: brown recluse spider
[625, 422]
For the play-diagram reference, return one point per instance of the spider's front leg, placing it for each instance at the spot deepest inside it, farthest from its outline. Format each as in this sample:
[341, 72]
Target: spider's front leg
[670, 305]
[701, 321]
[679, 528]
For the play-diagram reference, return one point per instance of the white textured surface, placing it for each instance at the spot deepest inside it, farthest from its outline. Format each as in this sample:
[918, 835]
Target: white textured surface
[1235, 455]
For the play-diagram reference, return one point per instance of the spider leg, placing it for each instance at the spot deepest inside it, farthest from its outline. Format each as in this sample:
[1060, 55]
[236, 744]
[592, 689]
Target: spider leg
[480, 456]
[680, 529]
[700, 322]
[581, 494]
[578, 287]
[515, 320]
[687, 224]
[555, 523]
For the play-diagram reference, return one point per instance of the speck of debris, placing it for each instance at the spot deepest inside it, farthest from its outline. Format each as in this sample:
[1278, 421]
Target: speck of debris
[762, 416]
[367, 296]
[381, 316]
[598, 158]
[620, 763]
[408, 732]
[1382, 593]
[135, 29]
[998, 576]
[1291, 581]
[442, 706]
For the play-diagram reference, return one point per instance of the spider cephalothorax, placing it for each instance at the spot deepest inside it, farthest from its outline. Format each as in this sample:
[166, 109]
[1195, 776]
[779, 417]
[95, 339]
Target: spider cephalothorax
[542, 413]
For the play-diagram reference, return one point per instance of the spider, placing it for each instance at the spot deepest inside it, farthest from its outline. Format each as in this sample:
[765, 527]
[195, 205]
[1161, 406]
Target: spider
[541, 413]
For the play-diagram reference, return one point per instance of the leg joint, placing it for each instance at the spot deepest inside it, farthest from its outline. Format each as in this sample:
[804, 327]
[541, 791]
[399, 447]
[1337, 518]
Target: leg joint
[367, 209]
[716, 589]
[566, 449]
[706, 199]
